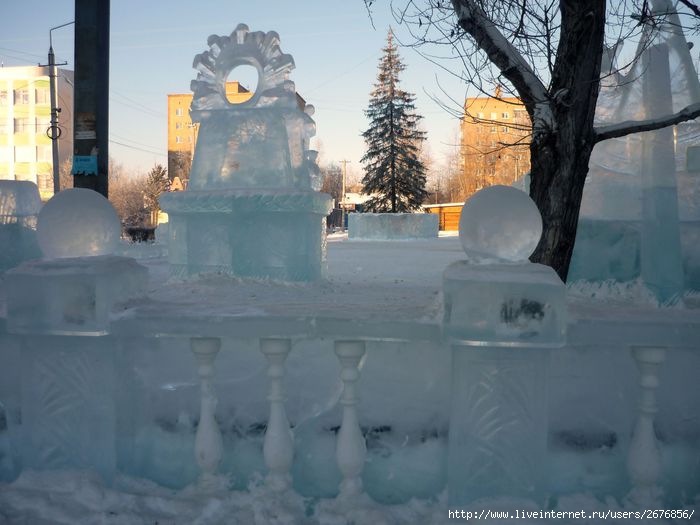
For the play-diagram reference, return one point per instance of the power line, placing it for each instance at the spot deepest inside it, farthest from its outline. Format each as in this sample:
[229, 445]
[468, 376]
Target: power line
[160, 154]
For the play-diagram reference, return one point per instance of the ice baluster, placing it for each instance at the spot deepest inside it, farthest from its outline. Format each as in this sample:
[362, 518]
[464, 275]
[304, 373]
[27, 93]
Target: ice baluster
[351, 449]
[208, 445]
[643, 456]
[278, 447]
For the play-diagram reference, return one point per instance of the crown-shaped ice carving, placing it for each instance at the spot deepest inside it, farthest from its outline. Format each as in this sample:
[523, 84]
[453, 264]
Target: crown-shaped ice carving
[257, 49]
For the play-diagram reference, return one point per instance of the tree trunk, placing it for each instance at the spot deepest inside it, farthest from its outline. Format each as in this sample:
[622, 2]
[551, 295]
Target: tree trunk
[562, 146]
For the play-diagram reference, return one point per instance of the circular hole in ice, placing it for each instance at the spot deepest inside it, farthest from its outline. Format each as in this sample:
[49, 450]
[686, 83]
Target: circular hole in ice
[78, 223]
[500, 222]
[247, 77]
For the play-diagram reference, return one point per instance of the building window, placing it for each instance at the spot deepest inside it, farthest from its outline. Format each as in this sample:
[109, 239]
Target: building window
[6, 155]
[44, 154]
[178, 125]
[480, 115]
[44, 181]
[504, 129]
[21, 125]
[25, 154]
[494, 116]
[494, 129]
[42, 96]
[3, 97]
[505, 115]
[520, 114]
[178, 112]
[22, 96]
[4, 128]
[42, 124]
[178, 140]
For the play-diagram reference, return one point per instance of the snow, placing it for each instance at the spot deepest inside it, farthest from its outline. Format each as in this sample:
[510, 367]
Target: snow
[79, 498]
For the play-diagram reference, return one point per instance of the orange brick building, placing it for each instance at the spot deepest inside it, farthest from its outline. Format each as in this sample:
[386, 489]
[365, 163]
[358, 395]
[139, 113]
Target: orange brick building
[182, 133]
[495, 143]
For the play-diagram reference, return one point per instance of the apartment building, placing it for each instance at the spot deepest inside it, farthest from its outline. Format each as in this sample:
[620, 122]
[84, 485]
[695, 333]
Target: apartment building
[495, 142]
[182, 133]
[25, 118]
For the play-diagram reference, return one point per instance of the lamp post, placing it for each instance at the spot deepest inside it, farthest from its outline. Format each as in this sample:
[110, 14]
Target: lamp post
[54, 132]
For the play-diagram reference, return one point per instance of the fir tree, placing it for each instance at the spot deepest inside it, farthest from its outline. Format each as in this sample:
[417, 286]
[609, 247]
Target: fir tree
[394, 174]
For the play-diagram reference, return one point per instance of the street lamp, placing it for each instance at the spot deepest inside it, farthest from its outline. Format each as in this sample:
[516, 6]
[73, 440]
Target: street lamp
[54, 132]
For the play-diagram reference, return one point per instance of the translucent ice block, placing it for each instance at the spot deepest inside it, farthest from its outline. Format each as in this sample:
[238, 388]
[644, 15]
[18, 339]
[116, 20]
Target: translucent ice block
[68, 410]
[19, 206]
[70, 295]
[392, 226]
[508, 304]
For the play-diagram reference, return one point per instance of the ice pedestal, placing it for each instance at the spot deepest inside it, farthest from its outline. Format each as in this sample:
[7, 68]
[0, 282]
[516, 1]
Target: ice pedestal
[250, 209]
[262, 234]
[19, 207]
[501, 321]
[501, 318]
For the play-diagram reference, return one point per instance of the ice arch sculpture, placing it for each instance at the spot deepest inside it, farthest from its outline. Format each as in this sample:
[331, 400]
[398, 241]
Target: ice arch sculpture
[251, 208]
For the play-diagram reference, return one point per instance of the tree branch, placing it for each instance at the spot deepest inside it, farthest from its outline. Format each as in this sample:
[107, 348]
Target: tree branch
[636, 126]
[501, 52]
[692, 6]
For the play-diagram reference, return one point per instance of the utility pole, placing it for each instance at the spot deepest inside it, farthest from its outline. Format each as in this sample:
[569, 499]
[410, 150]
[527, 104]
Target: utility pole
[91, 111]
[342, 193]
[54, 132]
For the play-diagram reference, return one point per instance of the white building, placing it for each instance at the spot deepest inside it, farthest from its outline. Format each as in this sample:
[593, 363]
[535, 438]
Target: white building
[25, 113]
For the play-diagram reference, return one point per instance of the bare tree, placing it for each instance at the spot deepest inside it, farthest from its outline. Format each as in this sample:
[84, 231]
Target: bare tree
[552, 55]
[126, 193]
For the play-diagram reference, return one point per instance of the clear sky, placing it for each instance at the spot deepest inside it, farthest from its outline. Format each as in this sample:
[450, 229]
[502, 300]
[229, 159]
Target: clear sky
[334, 44]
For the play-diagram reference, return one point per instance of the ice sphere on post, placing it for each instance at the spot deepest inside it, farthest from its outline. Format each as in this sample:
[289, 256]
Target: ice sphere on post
[75, 288]
[78, 222]
[502, 315]
[19, 206]
[497, 222]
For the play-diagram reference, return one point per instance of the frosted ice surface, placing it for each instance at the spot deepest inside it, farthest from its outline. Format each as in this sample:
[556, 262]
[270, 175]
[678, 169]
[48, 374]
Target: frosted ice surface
[78, 223]
[500, 222]
[18, 199]
[392, 226]
[19, 206]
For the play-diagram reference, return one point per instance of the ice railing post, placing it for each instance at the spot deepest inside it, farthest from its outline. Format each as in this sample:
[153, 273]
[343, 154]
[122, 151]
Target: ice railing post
[278, 447]
[644, 456]
[351, 449]
[502, 315]
[208, 445]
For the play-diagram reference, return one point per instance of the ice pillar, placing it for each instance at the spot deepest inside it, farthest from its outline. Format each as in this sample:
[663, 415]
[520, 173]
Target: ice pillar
[660, 250]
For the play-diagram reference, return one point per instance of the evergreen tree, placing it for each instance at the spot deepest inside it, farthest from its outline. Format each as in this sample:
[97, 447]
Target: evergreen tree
[393, 172]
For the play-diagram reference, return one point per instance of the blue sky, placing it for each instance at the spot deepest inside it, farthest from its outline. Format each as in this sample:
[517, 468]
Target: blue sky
[333, 42]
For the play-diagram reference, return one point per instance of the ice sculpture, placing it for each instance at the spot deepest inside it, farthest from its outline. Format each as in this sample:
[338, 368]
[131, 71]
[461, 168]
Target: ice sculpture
[250, 208]
[502, 314]
[641, 186]
[19, 206]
